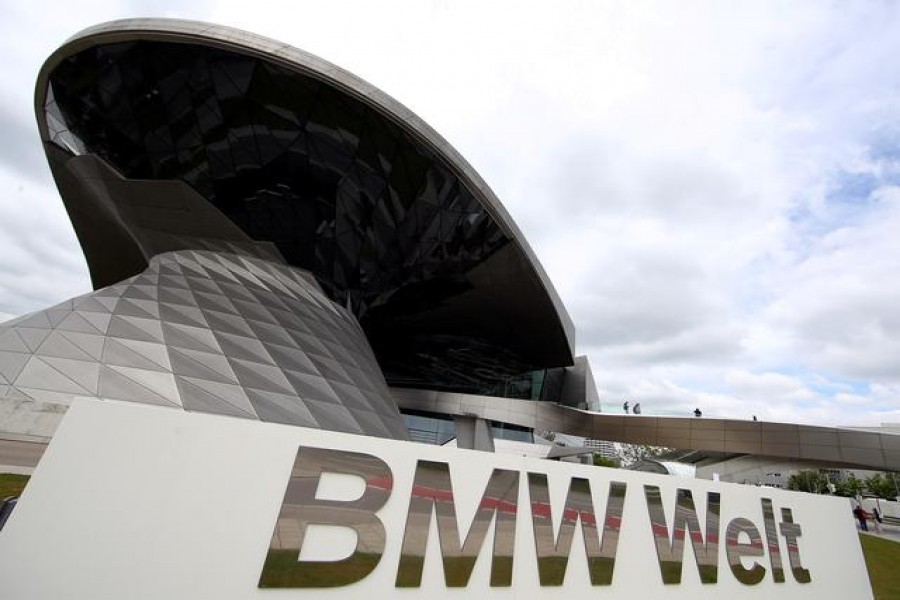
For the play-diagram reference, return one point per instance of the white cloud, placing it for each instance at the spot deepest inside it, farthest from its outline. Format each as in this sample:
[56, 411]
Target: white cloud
[684, 171]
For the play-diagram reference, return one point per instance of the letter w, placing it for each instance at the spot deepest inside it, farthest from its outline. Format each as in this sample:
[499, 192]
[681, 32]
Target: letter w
[433, 493]
[553, 552]
[684, 524]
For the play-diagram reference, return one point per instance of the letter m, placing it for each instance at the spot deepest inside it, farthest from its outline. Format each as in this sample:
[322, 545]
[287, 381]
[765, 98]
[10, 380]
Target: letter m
[432, 493]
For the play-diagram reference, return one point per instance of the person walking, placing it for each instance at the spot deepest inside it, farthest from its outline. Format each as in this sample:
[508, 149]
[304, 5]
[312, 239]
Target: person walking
[625, 407]
[861, 515]
[637, 408]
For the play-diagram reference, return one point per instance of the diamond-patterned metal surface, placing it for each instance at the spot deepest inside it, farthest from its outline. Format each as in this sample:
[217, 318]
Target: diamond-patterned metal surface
[208, 332]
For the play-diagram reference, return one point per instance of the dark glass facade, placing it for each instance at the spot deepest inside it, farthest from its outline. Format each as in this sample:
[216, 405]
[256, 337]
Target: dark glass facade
[438, 429]
[445, 296]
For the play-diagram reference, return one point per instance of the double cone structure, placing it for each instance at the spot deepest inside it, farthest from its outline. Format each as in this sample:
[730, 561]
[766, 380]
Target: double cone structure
[272, 238]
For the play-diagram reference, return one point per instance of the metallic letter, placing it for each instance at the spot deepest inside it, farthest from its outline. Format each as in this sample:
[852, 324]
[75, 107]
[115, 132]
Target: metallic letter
[433, 493]
[685, 522]
[734, 550]
[300, 508]
[553, 553]
[772, 541]
[791, 531]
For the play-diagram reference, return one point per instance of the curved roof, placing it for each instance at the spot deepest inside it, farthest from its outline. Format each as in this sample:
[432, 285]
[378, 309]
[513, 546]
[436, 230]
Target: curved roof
[303, 157]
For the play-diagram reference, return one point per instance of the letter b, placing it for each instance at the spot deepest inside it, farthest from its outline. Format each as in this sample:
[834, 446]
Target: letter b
[300, 508]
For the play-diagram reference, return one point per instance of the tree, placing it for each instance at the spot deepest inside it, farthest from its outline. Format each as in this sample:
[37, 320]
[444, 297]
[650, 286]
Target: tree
[882, 485]
[630, 454]
[602, 461]
[808, 480]
[850, 487]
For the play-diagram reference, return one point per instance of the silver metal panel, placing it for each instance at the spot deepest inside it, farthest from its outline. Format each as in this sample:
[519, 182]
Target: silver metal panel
[857, 448]
[234, 364]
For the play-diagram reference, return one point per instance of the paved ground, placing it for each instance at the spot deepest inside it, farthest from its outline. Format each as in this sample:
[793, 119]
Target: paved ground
[19, 456]
[888, 532]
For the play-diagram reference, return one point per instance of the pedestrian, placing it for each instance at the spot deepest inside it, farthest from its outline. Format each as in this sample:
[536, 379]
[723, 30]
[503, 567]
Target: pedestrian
[861, 515]
[625, 407]
[754, 417]
[697, 412]
[637, 408]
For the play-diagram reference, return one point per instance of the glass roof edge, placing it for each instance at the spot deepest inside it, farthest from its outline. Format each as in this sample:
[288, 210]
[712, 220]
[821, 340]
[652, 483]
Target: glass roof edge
[229, 38]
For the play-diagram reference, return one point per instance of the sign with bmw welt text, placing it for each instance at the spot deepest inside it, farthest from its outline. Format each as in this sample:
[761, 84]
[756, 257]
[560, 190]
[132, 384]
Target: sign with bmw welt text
[144, 502]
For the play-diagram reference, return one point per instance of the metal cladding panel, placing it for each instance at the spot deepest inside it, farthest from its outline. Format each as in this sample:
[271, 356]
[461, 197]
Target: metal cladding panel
[168, 353]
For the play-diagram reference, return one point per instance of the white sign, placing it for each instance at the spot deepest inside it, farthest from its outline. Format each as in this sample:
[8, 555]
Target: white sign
[132, 501]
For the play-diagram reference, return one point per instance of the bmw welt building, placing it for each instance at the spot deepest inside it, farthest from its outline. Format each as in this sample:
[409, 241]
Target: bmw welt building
[294, 275]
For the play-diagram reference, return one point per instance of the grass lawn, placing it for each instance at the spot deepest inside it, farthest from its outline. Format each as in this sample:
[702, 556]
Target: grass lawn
[11, 485]
[882, 558]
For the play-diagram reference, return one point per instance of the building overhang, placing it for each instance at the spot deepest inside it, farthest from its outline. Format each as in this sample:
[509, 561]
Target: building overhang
[476, 295]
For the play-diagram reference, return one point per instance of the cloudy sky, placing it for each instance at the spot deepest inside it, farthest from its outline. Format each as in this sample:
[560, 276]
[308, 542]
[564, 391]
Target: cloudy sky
[714, 188]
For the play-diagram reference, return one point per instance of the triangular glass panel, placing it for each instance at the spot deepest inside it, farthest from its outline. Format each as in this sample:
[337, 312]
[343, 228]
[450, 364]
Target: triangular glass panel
[202, 365]
[206, 285]
[156, 353]
[229, 323]
[109, 303]
[292, 358]
[350, 396]
[270, 333]
[116, 386]
[56, 316]
[311, 387]
[75, 321]
[100, 321]
[11, 364]
[38, 320]
[39, 375]
[135, 307]
[215, 267]
[230, 393]
[171, 282]
[33, 338]
[186, 315]
[177, 296]
[236, 346]
[262, 377]
[58, 345]
[134, 328]
[333, 417]
[116, 353]
[161, 384]
[140, 292]
[197, 399]
[83, 373]
[11, 342]
[92, 344]
[236, 291]
[280, 408]
[218, 302]
[193, 338]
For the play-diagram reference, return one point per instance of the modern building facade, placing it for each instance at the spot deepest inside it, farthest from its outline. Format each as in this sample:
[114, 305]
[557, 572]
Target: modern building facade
[270, 237]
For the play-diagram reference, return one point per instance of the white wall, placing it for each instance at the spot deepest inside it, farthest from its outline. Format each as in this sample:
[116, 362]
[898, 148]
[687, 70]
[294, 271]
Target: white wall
[132, 501]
